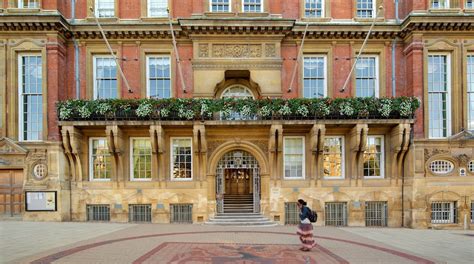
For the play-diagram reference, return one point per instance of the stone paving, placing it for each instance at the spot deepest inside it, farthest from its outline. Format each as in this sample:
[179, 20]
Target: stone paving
[28, 242]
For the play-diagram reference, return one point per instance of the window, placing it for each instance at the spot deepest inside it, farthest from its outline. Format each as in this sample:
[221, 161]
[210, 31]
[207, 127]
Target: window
[469, 4]
[28, 3]
[367, 75]
[439, 86]
[472, 212]
[181, 213]
[443, 212]
[105, 78]
[335, 214]
[100, 160]
[333, 157]
[470, 92]
[471, 166]
[105, 8]
[376, 214]
[220, 5]
[252, 6]
[314, 8]
[98, 212]
[158, 76]
[139, 212]
[374, 157]
[294, 157]
[158, 8]
[314, 77]
[441, 166]
[439, 4]
[365, 9]
[30, 88]
[140, 159]
[181, 159]
[292, 214]
[240, 92]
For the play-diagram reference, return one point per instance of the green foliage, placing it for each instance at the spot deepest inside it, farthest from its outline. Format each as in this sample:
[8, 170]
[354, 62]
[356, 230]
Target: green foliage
[202, 109]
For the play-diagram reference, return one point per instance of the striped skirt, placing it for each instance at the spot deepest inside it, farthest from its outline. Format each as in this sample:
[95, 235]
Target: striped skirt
[305, 231]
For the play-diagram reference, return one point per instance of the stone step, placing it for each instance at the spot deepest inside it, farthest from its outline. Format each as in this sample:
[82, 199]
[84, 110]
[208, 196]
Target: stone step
[238, 217]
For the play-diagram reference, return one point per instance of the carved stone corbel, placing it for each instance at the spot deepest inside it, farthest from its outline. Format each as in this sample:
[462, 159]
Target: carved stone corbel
[403, 151]
[116, 148]
[161, 151]
[317, 134]
[200, 143]
[275, 140]
[72, 140]
[358, 139]
[396, 141]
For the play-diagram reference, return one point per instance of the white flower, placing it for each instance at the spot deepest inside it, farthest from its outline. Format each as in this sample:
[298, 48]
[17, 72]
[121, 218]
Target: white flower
[205, 110]
[65, 112]
[103, 108]
[302, 110]
[265, 111]
[187, 114]
[285, 110]
[405, 108]
[84, 111]
[385, 108]
[246, 110]
[144, 110]
[346, 109]
[164, 112]
[226, 112]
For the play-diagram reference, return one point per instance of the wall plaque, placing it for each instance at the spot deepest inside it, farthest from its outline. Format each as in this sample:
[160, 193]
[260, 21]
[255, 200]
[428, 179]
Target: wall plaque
[41, 201]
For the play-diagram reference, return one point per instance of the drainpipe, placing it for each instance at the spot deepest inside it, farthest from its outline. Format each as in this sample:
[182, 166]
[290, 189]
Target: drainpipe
[410, 142]
[394, 81]
[396, 11]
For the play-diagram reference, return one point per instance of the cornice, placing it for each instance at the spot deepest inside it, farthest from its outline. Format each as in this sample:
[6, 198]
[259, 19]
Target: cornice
[194, 27]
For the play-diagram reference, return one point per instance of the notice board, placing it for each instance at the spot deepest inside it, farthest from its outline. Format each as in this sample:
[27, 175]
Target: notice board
[40, 201]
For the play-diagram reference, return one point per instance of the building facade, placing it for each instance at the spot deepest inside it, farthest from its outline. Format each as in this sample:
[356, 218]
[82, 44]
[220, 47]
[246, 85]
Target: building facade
[91, 163]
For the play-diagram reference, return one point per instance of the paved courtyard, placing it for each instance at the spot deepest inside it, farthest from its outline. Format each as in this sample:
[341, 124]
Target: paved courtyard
[32, 242]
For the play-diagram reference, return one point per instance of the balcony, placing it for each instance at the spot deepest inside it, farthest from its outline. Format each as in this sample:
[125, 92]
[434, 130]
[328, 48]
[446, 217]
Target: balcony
[230, 110]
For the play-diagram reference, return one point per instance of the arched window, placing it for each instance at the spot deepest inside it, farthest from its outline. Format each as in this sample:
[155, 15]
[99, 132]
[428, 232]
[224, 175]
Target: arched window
[441, 166]
[238, 92]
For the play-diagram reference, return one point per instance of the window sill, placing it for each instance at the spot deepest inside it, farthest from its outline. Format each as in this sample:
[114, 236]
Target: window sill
[316, 19]
[140, 180]
[253, 14]
[219, 14]
[371, 19]
[444, 10]
[23, 10]
[154, 19]
[468, 10]
[103, 19]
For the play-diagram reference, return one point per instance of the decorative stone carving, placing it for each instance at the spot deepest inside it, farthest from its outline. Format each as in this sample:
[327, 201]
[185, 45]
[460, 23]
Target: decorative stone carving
[432, 152]
[40, 171]
[463, 158]
[270, 50]
[237, 50]
[203, 50]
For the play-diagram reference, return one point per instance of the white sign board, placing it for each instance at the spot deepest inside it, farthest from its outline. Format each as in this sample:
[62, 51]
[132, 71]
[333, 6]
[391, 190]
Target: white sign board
[41, 201]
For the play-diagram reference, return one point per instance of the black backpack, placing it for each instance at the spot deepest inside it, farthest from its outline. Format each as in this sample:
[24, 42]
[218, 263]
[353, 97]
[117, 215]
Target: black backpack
[313, 216]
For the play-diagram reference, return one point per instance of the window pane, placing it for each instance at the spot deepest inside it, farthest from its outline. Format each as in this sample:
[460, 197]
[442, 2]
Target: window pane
[470, 92]
[101, 161]
[157, 8]
[438, 96]
[105, 8]
[313, 8]
[314, 77]
[31, 97]
[294, 153]
[105, 78]
[366, 77]
[141, 158]
[333, 157]
[373, 157]
[159, 77]
[182, 158]
[252, 6]
[220, 6]
[365, 8]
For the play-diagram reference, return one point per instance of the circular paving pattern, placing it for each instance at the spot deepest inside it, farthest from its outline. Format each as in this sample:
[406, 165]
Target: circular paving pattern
[210, 252]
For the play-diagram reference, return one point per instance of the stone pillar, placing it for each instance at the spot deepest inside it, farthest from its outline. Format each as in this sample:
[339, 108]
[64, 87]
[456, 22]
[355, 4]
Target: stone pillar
[358, 142]
[115, 140]
[317, 134]
[414, 77]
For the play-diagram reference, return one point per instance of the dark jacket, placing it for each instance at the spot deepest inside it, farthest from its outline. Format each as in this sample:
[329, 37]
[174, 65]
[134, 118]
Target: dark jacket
[304, 213]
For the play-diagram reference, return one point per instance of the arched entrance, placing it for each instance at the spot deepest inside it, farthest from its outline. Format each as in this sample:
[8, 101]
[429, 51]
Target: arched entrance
[238, 176]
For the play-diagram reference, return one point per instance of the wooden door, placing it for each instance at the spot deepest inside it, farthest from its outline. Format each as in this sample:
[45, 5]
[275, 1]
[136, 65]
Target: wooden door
[11, 192]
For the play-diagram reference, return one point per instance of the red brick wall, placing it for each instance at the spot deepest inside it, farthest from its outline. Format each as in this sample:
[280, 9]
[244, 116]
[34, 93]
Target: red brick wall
[341, 67]
[289, 53]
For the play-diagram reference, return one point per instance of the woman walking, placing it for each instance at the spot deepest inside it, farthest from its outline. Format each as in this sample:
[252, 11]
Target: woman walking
[305, 228]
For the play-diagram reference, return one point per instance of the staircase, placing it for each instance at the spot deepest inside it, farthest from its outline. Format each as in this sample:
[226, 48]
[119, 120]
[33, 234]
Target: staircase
[238, 211]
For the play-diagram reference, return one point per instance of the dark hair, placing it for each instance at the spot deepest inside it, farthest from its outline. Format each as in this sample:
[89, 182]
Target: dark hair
[302, 202]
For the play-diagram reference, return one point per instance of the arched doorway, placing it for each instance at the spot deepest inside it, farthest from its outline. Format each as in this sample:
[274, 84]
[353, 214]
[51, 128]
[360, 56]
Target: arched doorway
[238, 175]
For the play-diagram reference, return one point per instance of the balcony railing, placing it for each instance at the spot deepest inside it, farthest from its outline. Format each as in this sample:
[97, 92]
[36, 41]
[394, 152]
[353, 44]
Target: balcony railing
[237, 109]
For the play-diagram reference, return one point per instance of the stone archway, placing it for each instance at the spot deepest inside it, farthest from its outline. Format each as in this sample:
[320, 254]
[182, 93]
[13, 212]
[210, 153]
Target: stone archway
[243, 156]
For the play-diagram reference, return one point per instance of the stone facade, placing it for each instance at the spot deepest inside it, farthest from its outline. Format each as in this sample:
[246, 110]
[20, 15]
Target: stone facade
[258, 51]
